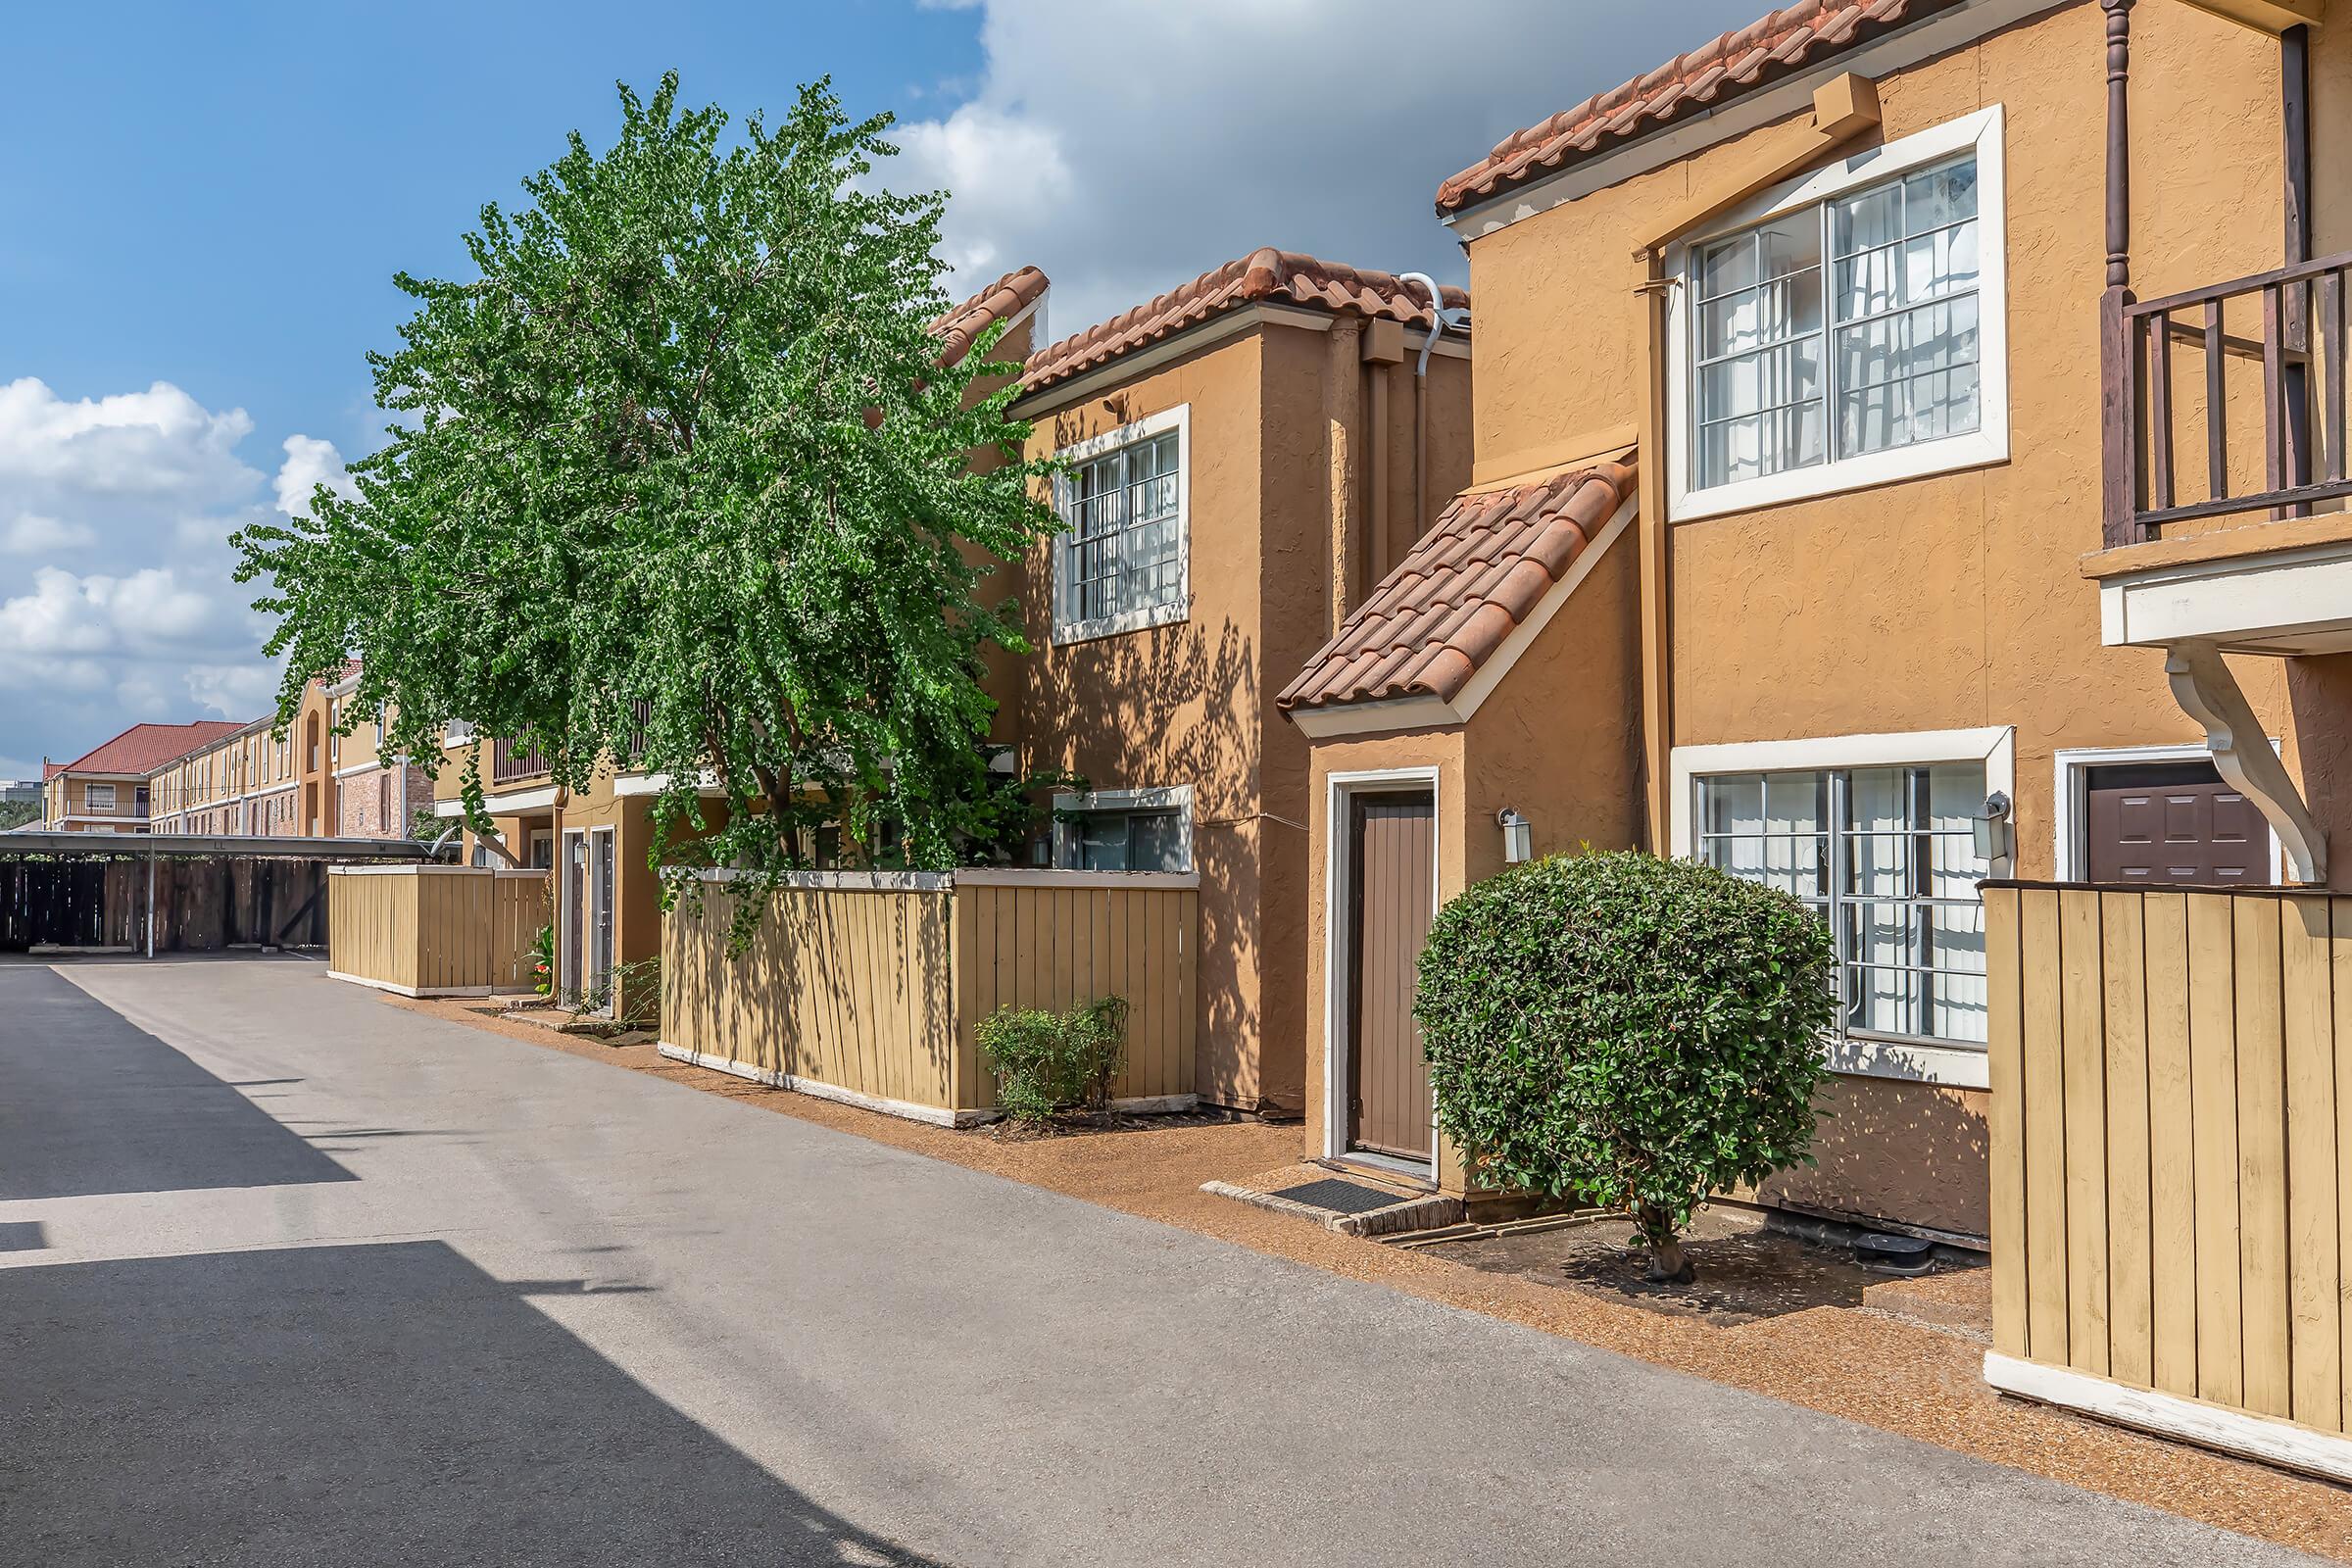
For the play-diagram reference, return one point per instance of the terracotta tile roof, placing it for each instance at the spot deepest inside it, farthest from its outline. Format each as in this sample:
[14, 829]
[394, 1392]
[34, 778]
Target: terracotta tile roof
[143, 747]
[1007, 297]
[1263, 275]
[1789, 40]
[1464, 590]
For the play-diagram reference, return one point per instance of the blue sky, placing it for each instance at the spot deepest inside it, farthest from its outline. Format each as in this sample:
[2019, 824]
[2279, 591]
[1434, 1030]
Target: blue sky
[201, 209]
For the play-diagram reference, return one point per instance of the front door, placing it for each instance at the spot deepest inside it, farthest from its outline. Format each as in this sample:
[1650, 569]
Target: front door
[600, 945]
[574, 912]
[2172, 822]
[1392, 893]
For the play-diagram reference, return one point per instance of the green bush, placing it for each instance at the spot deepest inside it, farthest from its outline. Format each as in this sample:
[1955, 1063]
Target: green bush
[1045, 1061]
[1626, 1032]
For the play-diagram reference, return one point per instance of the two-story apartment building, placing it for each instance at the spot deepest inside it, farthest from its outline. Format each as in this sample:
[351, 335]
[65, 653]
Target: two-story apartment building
[1247, 454]
[107, 789]
[1810, 323]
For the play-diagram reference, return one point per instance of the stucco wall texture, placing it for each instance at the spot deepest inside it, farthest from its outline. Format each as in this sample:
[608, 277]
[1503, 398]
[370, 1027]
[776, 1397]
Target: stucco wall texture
[1191, 702]
[1944, 603]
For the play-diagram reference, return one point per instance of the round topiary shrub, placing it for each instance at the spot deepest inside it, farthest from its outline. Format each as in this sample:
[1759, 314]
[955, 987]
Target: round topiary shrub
[1626, 1032]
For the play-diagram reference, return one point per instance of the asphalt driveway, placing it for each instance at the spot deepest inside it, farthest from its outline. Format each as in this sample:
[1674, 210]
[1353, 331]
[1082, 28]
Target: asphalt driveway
[289, 1276]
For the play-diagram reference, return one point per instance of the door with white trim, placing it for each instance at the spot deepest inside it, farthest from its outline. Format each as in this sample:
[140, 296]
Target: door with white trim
[1391, 883]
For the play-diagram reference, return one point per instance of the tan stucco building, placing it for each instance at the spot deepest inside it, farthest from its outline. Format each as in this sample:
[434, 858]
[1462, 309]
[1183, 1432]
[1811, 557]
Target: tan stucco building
[1836, 286]
[107, 789]
[1247, 452]
[309, 782]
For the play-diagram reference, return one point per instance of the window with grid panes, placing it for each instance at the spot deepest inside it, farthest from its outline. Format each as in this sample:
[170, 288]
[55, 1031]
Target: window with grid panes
[1841, 330]
[1120, 564]
[1888, 856]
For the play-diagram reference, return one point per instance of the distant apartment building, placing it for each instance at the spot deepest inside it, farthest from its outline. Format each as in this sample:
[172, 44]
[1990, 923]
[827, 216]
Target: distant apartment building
[309, 783]
[107, 790]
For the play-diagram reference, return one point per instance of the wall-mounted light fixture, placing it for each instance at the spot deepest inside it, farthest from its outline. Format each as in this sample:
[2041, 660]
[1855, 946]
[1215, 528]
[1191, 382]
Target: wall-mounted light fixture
[1995, 834]
[1518, 837]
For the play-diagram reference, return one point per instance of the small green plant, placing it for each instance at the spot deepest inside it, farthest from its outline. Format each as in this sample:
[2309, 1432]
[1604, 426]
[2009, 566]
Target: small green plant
[1626, 1032]
[543, 962]
[1047, 1061]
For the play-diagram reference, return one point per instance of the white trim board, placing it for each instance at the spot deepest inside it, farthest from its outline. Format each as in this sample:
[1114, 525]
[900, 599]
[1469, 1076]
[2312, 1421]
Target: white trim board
[2070, 782]
[1062, 632]
[1987, 444]
[1431, 713]
[1339, 789]
[1957, 1067]
[905, 1109]
[2170, 1415]
[411, 991]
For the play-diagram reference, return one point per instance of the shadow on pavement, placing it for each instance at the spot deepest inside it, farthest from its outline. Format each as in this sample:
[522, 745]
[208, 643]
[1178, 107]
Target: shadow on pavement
[90, 1103]
[350, 1405]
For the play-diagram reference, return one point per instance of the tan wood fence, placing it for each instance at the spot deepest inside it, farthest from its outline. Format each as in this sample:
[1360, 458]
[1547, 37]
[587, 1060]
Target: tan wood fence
[434, 930]
[2172, 1160]
[870, 988]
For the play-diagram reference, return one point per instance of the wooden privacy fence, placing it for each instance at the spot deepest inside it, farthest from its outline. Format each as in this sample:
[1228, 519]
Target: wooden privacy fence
[201, 904]
[434, 930]
[2172, 1161]
[869, 987]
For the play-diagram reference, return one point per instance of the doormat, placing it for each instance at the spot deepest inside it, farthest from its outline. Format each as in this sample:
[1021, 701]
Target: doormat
[1338, 1197]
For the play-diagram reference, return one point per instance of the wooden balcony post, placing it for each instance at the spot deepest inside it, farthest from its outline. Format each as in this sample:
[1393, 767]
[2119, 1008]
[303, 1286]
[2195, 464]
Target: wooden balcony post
[2119, 397]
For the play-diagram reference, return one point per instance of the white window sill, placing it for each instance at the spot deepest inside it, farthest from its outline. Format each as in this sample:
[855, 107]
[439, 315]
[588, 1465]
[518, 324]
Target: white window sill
[1911, 1062]
[1922, 461]
[1087, 631]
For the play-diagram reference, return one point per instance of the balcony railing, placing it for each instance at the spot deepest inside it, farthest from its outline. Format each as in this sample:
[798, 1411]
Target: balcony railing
[2251, 371]
[507, 765]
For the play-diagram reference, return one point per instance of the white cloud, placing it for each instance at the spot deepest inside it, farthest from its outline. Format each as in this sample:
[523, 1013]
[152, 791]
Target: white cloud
[31, 534]
[233, 691]
[309, 462]
[116, 602]
[157, 442]
[1127, 149]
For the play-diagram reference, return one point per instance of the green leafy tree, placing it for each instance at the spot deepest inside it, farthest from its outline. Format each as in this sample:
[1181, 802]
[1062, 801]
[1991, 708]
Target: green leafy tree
[680, 480]
[16, 814]
[1626, 1032]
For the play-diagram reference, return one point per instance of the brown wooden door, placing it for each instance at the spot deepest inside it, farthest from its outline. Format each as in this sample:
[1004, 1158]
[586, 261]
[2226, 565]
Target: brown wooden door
[2172, 822]
[1392, 840]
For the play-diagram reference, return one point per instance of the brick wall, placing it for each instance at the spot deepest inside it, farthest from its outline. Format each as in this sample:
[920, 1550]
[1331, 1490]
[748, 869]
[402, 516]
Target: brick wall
[368, 804]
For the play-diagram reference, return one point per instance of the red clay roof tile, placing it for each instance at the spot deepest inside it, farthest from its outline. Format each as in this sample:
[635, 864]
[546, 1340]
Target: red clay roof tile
[143, 747]
[1737, 63]
[1263, 275]
[1001, 301]
[1457, 597]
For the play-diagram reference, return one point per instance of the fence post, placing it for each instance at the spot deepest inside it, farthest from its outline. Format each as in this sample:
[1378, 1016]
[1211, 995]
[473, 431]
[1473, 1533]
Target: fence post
[151, 901]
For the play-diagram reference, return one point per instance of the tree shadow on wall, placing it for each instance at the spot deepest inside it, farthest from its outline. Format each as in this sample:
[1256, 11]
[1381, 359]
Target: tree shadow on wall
[1174, 704]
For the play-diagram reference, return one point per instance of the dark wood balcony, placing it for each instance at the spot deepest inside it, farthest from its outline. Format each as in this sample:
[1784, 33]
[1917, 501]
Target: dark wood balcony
[508, 765]
[2224, 400]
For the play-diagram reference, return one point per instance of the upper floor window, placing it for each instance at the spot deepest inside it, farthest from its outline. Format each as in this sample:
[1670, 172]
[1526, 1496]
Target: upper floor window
[1850, 331]
[98, 797]
[1122, 560]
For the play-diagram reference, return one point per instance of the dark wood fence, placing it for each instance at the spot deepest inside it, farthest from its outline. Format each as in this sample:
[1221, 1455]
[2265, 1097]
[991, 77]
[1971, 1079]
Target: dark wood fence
[202, 904]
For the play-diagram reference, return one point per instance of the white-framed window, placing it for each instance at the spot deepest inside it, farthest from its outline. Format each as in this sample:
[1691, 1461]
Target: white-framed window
[98, 797]
[1878, 834]
[1846, 329]
[1124, 830]
[1123, 560]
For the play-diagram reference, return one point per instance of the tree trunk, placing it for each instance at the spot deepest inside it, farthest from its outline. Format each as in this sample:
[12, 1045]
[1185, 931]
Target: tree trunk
[1667, 1263]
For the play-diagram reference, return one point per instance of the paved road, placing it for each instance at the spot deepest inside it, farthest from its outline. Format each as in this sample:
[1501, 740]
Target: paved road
[288, 1276]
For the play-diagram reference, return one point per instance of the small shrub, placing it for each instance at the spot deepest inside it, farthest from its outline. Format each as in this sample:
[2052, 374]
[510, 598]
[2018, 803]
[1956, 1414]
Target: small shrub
[1046, 1062]
[1626, 1032]
[543, 962]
